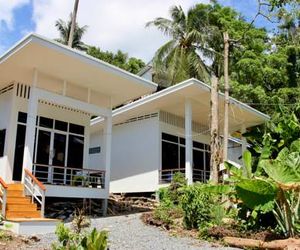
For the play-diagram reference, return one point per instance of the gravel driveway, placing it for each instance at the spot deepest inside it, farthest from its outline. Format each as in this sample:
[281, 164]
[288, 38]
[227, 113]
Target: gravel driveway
[129, 232]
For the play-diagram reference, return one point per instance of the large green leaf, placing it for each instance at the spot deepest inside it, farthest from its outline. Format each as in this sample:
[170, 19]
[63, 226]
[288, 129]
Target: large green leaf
[295, 146]
[283, 172]
[257, 194]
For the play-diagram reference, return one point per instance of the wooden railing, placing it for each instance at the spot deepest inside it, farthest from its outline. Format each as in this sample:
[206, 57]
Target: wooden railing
[3, 193]
[35, 189]
[166, 175]
[80, 177]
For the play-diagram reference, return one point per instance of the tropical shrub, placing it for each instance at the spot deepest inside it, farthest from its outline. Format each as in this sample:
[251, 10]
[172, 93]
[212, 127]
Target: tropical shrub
[70, 240]
[196, 206]
[274, 187]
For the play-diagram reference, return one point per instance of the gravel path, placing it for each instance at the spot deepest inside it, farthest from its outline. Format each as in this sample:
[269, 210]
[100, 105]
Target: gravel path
[129, 232]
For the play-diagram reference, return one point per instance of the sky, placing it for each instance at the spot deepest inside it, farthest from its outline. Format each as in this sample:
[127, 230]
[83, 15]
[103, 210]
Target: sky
[112, 24]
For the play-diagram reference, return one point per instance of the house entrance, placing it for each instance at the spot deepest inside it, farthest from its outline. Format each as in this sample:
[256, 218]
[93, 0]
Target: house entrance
[58, 145]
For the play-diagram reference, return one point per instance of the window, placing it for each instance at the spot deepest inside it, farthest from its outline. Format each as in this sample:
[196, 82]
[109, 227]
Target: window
[76, 129]
[75, 151]
[2, 142]
[173, 155]
[46, 122]
[19, 152]
[95, 150]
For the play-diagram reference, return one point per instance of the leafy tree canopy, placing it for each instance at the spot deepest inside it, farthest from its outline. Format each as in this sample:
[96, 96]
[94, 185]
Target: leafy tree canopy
[119, 59]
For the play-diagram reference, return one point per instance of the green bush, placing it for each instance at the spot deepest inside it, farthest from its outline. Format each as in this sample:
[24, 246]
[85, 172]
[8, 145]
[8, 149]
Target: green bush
[197, 206]
[70, 240]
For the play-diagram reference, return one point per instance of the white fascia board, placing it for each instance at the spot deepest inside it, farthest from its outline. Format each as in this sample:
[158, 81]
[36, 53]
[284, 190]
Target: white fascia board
[79, 55]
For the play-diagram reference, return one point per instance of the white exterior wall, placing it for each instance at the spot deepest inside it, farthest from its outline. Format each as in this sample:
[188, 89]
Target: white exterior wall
[135, 156]
[234, 152]
[6, 106]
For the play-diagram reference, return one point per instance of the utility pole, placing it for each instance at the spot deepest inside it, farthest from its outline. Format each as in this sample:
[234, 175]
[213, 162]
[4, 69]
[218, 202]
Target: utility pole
[214, 131]
[226, 92]
[73, 24]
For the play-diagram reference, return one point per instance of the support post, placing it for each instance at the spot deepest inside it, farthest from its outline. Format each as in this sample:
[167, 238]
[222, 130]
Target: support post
[107, 136]
[30, 130]
[188, 143]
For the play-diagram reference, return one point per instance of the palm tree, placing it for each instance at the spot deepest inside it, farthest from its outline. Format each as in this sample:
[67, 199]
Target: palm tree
[73, 23]
[64, 31]
[181, 57]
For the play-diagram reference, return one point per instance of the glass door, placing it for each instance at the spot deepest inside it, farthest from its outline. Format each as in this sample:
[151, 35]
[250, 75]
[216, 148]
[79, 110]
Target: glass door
[43, 155]
[59, 157]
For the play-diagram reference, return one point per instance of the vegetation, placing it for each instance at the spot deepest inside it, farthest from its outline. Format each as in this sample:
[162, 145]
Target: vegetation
[64, 31]
[119, 59]
[264, 65]
[76, 238]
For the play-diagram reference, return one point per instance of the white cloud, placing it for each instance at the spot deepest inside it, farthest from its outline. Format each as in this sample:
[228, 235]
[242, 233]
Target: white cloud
[113, 24]
[6, 11]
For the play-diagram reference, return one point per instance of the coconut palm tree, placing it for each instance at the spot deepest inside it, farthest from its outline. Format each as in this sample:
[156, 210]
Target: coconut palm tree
[182, 56]
[64, 31]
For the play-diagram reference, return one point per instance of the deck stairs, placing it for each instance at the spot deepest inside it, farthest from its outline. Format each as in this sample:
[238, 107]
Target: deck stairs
[18, 206]
[24, 214]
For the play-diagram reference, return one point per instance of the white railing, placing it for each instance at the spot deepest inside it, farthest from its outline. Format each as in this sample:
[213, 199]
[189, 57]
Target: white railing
[67, 176]
[3, 196]
[166, 175]
[200, 175]
[34, 188]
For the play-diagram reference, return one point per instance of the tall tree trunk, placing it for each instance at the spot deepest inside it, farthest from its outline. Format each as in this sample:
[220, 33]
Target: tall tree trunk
[226, 89]
[73, 24]
[214, 131]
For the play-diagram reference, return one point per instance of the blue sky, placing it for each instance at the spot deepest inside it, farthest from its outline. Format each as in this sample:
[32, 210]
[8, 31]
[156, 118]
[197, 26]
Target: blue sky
[113, 25]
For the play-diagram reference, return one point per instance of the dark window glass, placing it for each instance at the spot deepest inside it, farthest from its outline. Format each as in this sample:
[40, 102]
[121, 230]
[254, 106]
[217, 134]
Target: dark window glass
[207, 147]
[59, 125]
[169, 155]
[198, 145]
[207, 164]
[182, 141]
[2, 142]
[95, 150]
[198, 158]
[46, 122]
[19, 152]
[22, 117]
[182, 157]
[169, 137]
[76, 129]
[75, 151]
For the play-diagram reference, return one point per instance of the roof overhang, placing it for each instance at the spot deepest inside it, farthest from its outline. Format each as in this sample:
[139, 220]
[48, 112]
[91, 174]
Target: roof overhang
[59, 61]
[173, 99]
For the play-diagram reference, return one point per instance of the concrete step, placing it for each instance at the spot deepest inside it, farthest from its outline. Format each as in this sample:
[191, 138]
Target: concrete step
[27, 226]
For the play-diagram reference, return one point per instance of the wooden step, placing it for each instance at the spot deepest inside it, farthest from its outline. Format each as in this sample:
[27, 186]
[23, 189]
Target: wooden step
[15, 193]
[18, 200]
[21, 207]
[15, 187]
[22, 214]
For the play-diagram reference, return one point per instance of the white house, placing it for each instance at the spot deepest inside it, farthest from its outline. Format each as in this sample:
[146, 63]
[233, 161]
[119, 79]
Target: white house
[167, 132]
[48, 95]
